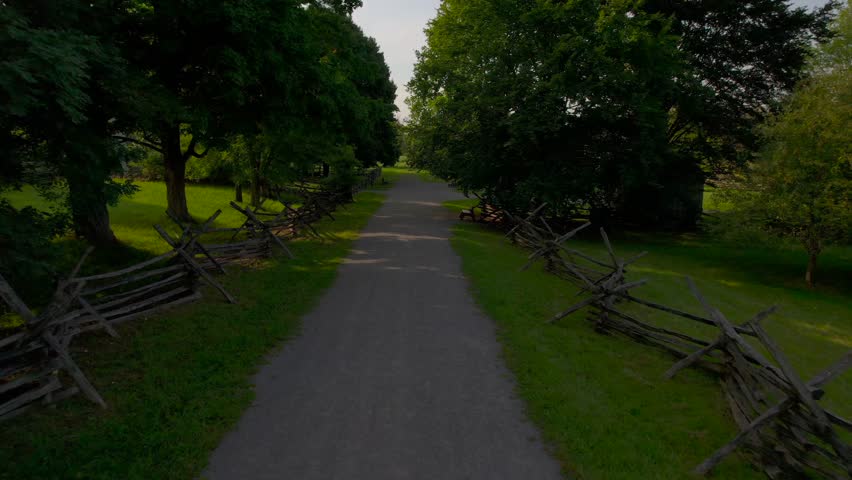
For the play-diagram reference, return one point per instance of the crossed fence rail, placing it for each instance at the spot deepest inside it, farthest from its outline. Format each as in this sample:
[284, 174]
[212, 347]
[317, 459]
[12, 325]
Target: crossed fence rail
[779, 414]
[35, 357]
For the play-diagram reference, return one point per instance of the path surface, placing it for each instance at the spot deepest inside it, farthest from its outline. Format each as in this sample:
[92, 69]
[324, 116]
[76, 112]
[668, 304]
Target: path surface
[397, 374]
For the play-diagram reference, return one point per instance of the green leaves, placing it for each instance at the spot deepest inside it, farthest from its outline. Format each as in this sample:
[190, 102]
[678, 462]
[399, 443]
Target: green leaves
[546, 100]
[800, 187]
[83, 81]
[619, 108]
[43, 68]
[29, 256]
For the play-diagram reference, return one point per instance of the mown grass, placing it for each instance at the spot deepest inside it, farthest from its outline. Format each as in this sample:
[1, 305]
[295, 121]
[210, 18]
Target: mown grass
[133, 218]
[389, 176]
[392, 173]
[714, 202]
[601, 400]
[176, 383]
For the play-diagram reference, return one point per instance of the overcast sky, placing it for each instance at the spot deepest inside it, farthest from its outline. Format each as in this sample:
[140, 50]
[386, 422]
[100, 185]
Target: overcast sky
[398, 27]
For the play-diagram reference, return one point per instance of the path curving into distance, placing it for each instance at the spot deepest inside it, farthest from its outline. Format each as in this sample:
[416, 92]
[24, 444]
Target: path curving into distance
[397, 373]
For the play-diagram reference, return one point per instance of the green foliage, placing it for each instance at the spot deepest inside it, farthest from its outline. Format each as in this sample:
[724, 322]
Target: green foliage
[299, 78]
[150, 167]
[341, 6]
[66, 88]
[92, 87]
[285, 136]
[356, 105]
[39, 249]
[215, 167]
[800, 186]
[747, 54]
[44, 68]
[29, 256]
[610, 107]
[343, 167]
[836, 53]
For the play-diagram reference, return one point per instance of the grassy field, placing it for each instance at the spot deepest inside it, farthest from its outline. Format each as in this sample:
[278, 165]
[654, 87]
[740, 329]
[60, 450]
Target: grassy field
[392, 173]
[601, 400]
[133, 218]
[713, 202]
[178, 382]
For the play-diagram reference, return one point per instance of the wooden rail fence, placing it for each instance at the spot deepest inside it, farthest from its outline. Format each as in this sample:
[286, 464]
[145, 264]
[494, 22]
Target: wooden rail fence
[35, 357]
[367, 179]
[781, 421]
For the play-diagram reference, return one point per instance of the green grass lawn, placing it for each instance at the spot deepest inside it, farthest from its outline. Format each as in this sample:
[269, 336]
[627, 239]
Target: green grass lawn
[389, 176]
[176, 383]
[601, 400]
[713, 202]
[392, 173]
[133, 218]
[132, 221]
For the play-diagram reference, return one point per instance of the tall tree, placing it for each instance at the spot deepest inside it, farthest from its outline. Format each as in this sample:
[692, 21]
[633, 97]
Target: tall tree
[800, 187]
[750, 54]
[64, 83]
[205, 64]
[601, 106]
[345, 120]
[296, 79]
[511, 97]
[358, 90]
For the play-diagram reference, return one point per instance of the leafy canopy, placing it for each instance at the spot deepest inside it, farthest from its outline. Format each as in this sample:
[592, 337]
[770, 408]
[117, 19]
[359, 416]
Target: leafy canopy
[801, 185]
[610, 108]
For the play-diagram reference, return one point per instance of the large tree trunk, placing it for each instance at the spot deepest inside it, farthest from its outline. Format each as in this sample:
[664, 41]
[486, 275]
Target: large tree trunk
[812, 264]
[238, 192]
[89, 209]
[93, 225]
[175, 163]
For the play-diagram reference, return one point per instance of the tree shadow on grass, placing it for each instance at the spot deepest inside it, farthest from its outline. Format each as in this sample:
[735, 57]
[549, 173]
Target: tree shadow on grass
[770, 265]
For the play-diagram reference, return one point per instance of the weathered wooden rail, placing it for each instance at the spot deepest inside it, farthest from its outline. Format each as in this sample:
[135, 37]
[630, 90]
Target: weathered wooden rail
[32, 357]
[35, 357]
[367, 180]
[485, 211]
[781, 420]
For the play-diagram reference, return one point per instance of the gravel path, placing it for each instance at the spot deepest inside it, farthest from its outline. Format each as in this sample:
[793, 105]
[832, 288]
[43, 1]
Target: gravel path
[397, 374]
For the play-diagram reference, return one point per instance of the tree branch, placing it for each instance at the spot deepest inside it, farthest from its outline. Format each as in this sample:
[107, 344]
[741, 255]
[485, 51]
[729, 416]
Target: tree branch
[676, 129]
[143, 143]
[190, 149]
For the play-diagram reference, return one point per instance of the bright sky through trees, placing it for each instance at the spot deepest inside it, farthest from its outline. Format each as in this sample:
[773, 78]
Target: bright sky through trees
[397, 25]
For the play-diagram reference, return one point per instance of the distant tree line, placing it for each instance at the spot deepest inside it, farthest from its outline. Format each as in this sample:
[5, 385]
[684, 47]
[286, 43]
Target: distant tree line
[622, 110]
[264, 89]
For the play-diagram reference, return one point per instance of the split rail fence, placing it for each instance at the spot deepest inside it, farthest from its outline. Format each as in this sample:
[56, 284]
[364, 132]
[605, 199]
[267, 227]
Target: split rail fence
[368, 179]
[782, 423]
[35, 358]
